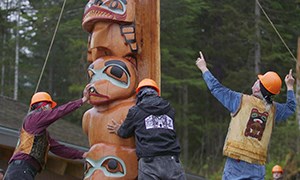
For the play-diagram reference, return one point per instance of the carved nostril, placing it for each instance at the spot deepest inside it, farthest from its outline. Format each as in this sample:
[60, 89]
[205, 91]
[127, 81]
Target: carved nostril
[92, 89]
[112, 164]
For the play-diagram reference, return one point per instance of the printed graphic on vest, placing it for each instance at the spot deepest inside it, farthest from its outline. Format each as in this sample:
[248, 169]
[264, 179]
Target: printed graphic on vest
[256, 124]
[162, 121]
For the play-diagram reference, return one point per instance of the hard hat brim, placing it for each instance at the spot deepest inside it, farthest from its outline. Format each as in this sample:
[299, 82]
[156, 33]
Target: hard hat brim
[53, 104]
[259, 76]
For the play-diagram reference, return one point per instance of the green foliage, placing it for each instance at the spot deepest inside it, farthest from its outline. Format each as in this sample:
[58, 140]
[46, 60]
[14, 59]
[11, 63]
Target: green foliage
[223, 30]
[67, 57]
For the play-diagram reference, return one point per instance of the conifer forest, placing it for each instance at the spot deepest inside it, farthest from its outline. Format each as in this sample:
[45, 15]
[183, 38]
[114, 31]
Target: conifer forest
[239, 40]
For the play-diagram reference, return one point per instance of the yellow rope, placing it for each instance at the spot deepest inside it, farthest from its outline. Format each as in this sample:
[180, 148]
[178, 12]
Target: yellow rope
[51, 44]
[276, 30]
[50, 47]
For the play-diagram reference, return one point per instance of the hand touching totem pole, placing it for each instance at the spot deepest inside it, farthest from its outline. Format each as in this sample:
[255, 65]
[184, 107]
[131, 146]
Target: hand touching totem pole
[123, 48]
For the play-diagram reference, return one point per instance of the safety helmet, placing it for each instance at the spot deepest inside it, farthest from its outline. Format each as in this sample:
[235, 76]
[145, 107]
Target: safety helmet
[147, 83]
[271, 81]
[40, 97]
[277, 168]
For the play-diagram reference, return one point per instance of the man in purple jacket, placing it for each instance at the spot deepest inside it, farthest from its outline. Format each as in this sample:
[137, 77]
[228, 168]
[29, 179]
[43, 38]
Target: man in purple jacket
[30, 155]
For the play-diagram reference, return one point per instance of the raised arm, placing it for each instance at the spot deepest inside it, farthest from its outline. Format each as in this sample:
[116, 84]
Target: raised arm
[230, 99]
[285, 110]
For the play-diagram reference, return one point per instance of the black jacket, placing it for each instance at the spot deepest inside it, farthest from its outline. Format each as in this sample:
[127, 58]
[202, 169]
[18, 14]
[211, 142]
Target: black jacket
[152, 123]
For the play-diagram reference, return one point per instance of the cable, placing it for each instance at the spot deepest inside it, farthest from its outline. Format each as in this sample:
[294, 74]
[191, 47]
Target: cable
[51, 44]
[50, 47]
[276, 30]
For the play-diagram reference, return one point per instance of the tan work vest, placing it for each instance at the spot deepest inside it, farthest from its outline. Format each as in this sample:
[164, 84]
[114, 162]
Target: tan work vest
[249, 131]
[36, 146]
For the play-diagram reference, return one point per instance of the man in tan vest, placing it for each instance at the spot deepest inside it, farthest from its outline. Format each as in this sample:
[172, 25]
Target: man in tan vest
[252, 121]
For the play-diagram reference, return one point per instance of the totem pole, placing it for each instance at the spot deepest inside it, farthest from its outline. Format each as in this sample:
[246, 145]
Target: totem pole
[123, 48]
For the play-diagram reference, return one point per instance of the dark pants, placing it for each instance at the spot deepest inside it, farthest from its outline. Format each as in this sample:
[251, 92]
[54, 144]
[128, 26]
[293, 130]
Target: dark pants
[20, 170]
[160, 168]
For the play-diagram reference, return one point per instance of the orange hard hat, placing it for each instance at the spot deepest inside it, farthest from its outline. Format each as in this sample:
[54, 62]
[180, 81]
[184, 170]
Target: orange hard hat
[40, 97]
[271, 81]
[277, 168]
[147, 82]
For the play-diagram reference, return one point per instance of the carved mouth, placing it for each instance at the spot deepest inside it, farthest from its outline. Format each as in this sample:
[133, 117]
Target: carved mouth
[96, 12]
[94, 92]
[258, 121]
[93, 13]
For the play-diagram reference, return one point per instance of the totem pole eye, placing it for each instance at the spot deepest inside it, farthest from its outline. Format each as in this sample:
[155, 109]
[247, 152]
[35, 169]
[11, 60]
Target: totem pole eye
[113, 166]
[264, 118]
[116, 6]
[254, 115]
[117, 73]
[110, 166]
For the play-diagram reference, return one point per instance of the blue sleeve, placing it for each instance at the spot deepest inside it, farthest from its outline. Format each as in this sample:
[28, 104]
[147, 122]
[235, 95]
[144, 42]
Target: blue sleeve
[285, 110]
[230, 99]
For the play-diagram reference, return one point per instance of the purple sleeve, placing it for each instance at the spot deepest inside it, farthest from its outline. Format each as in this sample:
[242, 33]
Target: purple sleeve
[37, 122]
[64, 151]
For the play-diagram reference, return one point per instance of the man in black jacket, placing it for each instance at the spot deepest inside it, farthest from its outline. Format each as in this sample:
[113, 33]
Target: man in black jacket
[151, 120]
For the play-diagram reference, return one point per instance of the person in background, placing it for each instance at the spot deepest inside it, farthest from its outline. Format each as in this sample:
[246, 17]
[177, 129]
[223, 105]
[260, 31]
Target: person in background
[151, 120]
[277, 173]
[2, 172]
[30, 155]
[252, 121]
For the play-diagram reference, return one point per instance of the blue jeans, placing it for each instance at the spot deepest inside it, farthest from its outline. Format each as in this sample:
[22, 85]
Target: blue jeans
[160, 168]
[241, 170]
[20, 170]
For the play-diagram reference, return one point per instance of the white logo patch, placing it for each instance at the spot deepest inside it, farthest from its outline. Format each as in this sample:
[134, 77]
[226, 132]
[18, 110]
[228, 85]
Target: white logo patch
[162, 121]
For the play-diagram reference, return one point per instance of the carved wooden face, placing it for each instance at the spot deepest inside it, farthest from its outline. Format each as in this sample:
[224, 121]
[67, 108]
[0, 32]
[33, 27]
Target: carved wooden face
[111, 39]
[111, 78]
[101, 165]
[108, 10]
[256, 124]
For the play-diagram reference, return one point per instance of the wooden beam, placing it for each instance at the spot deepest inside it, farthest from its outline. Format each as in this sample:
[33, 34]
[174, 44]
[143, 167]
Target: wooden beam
[148, 38]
